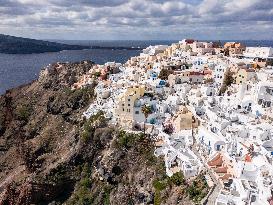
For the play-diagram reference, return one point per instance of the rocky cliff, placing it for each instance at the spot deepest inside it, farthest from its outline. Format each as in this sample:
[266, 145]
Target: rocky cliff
[49, 154]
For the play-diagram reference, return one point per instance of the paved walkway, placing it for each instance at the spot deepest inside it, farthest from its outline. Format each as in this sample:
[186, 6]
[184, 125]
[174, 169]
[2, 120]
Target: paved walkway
[212, 195]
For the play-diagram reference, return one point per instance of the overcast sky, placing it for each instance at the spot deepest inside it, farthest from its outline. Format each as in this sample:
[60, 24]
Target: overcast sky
[138, 19]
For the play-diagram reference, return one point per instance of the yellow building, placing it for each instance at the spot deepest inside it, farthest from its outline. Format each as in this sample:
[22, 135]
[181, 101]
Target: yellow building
[125, 111]
[171, 49]
[168, 51]
[184, 76]
[174, 47]
[244, 75]
[183, 120]
[161, 56]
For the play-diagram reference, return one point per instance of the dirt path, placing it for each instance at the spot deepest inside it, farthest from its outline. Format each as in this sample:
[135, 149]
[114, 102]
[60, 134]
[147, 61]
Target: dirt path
[10, 178]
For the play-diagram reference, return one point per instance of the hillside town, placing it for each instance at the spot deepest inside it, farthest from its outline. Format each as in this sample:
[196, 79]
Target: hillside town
[208, 107]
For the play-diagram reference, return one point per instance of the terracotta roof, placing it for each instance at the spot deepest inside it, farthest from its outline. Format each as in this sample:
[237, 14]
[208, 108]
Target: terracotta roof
[207, 71]
[189, 41]
[248, 158]
[250, 70]
[196, 73]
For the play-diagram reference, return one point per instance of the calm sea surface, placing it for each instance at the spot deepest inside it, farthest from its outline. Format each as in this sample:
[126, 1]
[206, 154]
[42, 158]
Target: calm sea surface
[20, 69]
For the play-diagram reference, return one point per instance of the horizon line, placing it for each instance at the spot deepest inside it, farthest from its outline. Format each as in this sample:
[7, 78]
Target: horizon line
[175, 40]
[153, 39]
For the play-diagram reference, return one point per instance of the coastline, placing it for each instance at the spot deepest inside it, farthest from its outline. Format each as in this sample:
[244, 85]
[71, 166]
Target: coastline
[17, 69]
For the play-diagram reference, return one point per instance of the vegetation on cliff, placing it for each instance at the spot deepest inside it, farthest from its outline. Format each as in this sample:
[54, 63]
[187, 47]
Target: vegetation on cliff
[228, 80]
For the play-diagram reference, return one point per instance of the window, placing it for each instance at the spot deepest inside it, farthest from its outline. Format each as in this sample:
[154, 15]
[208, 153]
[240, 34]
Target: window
[137, 112]
[122, 104]
[122, 109]
[129, 99]
[129, 105]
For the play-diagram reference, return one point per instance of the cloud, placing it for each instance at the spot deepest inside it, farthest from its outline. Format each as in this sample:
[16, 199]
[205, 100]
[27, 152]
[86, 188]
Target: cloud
[162, 19]
[92, 3]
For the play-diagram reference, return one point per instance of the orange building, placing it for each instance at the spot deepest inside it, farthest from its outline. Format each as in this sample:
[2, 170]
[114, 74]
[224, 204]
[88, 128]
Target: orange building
[235, 48]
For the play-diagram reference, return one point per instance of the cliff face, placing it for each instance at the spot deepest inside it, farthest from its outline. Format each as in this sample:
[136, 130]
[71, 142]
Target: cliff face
[50, 155]
[39, 136]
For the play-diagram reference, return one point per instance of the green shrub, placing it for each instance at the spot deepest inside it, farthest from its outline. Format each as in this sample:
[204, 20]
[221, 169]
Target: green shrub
[159, 185]
[23, 112]
[80, 97]
[106, 195]
[86, 170]
[91, 124]
[193, 191]
[125, 141]
[128, 140]
[97, 74]
[85, 135]
[85, 182]
[83, 196]
[177, 179]
[198, 189]
[157, 198]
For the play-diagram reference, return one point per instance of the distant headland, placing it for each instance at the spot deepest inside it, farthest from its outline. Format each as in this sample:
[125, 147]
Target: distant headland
[19, 45]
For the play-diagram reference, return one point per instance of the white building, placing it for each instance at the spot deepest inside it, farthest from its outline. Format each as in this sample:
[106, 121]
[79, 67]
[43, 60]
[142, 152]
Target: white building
[154, 50]
[219, 73]
[258, 52]
[212, 142]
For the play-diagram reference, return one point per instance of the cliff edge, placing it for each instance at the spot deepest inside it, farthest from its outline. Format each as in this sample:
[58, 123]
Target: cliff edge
[50, 154]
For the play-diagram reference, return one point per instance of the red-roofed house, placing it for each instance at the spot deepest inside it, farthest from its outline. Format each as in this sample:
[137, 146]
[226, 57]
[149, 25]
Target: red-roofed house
[196, 77]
